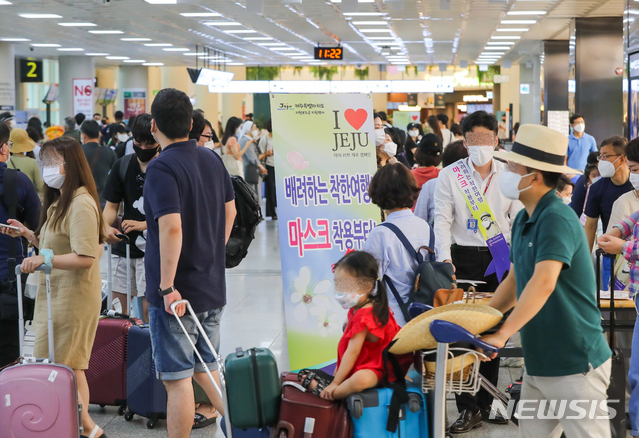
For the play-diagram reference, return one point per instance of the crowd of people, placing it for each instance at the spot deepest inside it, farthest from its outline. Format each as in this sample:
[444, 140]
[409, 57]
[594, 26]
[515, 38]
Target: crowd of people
[501, 218]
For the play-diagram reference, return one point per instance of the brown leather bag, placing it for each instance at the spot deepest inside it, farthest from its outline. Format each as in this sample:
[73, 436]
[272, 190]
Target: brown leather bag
[448, 296]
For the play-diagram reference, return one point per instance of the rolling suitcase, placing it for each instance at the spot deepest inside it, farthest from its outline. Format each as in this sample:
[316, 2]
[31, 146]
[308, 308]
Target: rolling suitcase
[145, 393]
[303, 414]
[253, 388]
[618, 374]
[369, 413]
[246, 433]
[39, 398]
[106, 374]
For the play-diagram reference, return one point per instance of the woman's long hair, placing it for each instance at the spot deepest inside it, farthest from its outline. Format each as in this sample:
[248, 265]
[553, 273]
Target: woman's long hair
[363, 265]
[78, 174]
[434, 125]
[231, 126]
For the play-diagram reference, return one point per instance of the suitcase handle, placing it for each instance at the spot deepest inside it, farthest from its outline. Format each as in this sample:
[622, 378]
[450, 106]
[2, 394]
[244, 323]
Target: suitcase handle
[47, 271]
[221, 391]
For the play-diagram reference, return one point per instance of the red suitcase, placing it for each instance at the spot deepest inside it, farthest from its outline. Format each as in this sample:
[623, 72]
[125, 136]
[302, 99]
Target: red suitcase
[106, 375]
[39, 398]
[303, 413]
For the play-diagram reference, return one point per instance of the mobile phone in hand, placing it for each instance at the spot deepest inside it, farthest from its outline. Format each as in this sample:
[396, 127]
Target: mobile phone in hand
[9, 226]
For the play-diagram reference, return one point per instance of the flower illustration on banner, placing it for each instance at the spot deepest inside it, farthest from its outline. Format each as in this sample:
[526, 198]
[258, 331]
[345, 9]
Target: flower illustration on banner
[310, 297]
[328, 323]
[296, 160]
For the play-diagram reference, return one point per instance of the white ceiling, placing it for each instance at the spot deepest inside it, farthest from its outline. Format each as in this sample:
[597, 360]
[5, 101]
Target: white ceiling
[424, 31]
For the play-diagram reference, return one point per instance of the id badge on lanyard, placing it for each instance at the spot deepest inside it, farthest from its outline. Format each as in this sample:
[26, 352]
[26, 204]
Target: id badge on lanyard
[471, 227]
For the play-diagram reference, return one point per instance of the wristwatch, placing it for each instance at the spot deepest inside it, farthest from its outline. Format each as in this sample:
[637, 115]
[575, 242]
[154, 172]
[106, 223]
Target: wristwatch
[167, 291]
[48, 256]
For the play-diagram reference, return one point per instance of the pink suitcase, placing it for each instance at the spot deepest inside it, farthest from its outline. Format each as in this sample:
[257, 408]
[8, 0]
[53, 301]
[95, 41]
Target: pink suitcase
[38, 398]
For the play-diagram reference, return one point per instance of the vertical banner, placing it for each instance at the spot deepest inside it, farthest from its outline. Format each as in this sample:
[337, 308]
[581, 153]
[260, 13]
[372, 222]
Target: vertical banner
[401, 119]
[324, 160]
[83, 97]
[134, 102]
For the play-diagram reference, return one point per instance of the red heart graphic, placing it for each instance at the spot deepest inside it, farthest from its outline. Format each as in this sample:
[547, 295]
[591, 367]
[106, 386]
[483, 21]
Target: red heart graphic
[356, 118]
[415, 117]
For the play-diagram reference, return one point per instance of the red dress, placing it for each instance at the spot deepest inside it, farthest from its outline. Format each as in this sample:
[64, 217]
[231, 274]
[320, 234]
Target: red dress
[370, 357]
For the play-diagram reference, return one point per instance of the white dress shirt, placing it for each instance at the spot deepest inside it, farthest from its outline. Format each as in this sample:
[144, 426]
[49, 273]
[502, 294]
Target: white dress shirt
[452, 212]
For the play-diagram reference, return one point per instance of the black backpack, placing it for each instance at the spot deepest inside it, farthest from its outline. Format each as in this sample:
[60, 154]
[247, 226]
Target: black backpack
[429, 277]
[249, 215]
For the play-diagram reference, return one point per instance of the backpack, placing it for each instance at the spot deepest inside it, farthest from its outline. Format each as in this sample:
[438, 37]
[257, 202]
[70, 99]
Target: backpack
[249, 215]
[429, 277]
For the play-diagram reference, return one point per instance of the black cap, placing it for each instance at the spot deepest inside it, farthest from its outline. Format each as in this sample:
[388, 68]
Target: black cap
[431, 144]
[6, 116]
[411, 126]
[592, 158]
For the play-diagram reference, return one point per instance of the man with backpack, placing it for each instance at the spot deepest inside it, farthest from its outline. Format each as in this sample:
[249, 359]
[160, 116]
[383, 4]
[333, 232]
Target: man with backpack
[126, 185]
[19, 200]
[473, 221]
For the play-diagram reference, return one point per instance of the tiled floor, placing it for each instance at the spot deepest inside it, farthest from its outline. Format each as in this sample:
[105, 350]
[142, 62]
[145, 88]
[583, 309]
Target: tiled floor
[254, 317]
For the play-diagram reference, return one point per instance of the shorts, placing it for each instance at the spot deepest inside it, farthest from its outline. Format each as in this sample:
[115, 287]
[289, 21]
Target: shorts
[118, 268]
[172, 352]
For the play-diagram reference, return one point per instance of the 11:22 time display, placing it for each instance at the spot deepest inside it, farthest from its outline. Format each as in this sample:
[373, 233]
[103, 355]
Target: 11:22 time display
[335, 53]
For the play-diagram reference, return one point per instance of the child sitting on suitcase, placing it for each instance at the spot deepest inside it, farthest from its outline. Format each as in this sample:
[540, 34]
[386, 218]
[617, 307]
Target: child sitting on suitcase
[370, 328]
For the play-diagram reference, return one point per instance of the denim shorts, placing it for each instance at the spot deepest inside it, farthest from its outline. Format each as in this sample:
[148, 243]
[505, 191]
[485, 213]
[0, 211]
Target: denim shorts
[172, 352]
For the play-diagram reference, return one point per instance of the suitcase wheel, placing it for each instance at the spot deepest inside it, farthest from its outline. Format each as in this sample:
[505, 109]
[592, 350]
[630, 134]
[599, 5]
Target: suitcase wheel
[358, 409]
[414, 404]
[102, 406]
[151, 424]
[283, 434]
[128, 415]
[121, 410]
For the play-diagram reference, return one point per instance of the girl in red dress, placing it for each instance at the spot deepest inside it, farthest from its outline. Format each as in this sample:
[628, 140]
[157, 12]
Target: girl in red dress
[370, 328]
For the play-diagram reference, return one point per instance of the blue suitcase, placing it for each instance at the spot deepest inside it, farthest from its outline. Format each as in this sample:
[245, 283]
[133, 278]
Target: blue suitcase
[369, 412]
[246, 433]
[145, 393]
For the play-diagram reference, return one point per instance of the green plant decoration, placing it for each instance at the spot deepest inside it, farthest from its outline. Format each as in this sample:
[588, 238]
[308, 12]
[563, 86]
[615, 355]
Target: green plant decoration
[361, 73]
[322, 72]
[262, 73]
[415, 70]
[297, 71]
[488, 77]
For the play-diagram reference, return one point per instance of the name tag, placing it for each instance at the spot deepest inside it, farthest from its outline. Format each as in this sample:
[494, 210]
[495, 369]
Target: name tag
[471, 228]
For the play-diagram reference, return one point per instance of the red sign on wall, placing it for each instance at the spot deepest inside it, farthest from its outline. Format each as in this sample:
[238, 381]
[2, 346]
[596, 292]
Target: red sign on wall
[83, 97]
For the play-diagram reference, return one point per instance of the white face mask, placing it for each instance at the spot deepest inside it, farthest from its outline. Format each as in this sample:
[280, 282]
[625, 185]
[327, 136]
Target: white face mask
[607, 169]
[52, 177]
[480, 155]
[209, 144]
[566, 200]
[13, 123]
[509, 184]
[595, 179]
[380, 136]
[123, 137]
[580, 127]
[413, 132]
[634, 180]
[256, 133]
[390, 148]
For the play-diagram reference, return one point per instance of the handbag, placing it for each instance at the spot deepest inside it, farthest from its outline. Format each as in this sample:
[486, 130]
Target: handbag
[252, 171]
[231, 164]
[448, 296]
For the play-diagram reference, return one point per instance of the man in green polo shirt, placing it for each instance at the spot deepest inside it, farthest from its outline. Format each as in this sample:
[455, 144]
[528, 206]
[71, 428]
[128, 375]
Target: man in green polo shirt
[552, 287]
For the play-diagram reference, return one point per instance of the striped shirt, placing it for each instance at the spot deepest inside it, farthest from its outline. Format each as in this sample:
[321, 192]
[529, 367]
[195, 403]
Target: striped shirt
[630, 229]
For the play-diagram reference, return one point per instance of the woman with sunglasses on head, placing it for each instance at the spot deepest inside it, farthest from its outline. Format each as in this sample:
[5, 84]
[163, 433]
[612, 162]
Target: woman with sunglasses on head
[70, 240]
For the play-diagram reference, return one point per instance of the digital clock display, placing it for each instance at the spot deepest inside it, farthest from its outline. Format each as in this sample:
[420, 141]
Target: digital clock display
[333, 53]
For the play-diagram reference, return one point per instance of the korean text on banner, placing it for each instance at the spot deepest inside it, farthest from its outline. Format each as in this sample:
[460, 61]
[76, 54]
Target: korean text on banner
[324, 160]
[83, 97]
[134, 102]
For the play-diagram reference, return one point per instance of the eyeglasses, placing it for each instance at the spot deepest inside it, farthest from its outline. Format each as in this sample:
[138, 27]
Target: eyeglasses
[8, 143]
[207, 136]
[605, 157]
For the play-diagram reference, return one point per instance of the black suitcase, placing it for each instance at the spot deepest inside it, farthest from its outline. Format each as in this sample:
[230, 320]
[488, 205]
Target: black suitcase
[618, 374]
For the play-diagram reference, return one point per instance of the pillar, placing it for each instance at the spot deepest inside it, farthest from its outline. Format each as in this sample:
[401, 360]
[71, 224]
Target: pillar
[72, 67]
[208, 102]
[556, 75]
[7, 78]
[133, 77]
[106, 79]
[530, 104]
[509, 91]
[599, 93]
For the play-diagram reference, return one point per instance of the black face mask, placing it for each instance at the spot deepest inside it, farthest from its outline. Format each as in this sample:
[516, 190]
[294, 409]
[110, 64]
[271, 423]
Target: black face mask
[145, 155]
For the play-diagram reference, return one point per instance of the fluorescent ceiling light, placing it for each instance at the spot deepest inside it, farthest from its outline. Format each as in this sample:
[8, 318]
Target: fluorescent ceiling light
[40, 16]
[385, 53]
[200, 14]
[365, 14]
[500, 43]
[526, 13]
[487, 58]
[46, 45]
[518, 21]
[499, 54]
[106, 32]
[513, 29]
[135, 61]
[222, 23]
[400, 63]
[191, 54]
[135, 39]
[161, 2]
[375, 30]
[77, 24]
[14, 40]
[96, 54]
[241, 31]
[117, 57]
[71, 49]
[496, 48]
[153, 64]
[158, 45]
[258, 39]
[389, 38]
[176, 49]
[504, 37]
[235, 63]
[271, 44]
[282, 48]
[367, 23]
[5, 3]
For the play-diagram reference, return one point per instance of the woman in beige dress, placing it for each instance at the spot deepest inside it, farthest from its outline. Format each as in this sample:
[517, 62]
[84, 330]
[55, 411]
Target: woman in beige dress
[71, 227]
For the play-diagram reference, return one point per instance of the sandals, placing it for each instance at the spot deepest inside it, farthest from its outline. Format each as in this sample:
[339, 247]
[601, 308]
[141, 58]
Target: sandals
[322, 378]
[94, 432]
[202, 421]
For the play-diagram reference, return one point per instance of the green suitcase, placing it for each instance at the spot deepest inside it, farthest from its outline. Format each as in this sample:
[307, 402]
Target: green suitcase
[253, 388]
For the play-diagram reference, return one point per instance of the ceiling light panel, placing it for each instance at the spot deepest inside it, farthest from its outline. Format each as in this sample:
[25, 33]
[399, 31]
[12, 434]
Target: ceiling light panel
[161, 2]
[526, 13]
[135, 39]
[500, 43]
[222, 23]
[40, 16]
[45, 45]
[513, 29]
[15, 40]
[106, 32]
[158, 45]
[77, 24]
[96, 54]
[176, 49]
[5, 3]
[505, 37]
[117, 57]
[200, 14]
[518, 21]
[241, 31]
[70, 49]
[153, 64]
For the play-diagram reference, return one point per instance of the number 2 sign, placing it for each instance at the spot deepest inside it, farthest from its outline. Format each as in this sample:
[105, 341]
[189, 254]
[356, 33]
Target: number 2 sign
[30, 71]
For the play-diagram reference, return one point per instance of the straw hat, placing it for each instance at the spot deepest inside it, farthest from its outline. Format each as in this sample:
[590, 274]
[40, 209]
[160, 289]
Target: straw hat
[540, 148]
[476, 318]
[21, 141]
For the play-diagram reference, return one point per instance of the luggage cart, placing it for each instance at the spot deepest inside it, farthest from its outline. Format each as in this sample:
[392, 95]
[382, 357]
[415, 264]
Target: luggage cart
[467, 379]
